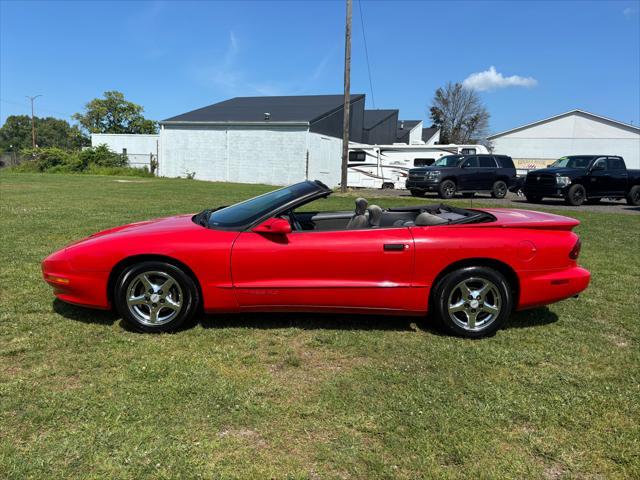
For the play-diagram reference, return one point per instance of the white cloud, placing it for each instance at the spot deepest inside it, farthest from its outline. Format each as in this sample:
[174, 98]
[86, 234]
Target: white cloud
[491, 79]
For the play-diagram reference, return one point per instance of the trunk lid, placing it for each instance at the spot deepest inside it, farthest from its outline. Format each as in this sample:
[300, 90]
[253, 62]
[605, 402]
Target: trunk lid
[512, 218]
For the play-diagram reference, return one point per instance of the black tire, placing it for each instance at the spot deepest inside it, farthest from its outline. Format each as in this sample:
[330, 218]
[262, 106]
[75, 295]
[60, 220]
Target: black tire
[387, 186]
[469, 194]
[633, 197]
[448, 293]
[174, 307]
[499, 189]
[533, 198]
[576, 195]
[417, 193]
[447, 189]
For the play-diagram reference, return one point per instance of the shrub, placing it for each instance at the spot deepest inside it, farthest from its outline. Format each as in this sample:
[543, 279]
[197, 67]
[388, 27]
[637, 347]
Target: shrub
[101, 156]
[124, 171]
[46, 158]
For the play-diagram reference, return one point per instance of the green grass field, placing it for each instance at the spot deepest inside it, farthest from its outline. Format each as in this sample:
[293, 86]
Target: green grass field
[556, 394]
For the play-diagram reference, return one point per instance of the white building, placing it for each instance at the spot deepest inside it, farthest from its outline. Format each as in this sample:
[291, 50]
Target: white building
[139, 148]
[272, 140]
[572, 133]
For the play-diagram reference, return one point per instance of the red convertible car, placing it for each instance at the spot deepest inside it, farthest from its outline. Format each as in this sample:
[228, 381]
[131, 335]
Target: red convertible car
[471, 268]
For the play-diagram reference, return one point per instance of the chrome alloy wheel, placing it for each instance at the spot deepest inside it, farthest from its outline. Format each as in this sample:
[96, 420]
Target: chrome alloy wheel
[154, 298]
[474, 303]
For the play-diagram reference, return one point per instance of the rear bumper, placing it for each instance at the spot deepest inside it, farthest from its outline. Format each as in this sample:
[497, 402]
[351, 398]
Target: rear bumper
[539, 290]
[88, 289]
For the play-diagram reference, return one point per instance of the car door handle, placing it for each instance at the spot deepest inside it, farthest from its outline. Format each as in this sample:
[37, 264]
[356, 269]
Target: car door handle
[395, 247]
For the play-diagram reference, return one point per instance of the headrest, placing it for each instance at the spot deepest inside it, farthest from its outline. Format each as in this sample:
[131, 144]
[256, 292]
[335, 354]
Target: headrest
[426, 219]
[361, 206]
[375, 215]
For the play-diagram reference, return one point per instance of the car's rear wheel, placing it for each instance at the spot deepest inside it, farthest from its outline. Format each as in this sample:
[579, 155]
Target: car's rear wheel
[155, 296]
[472, 302]
[576, 195]
[447, 189]
[417, 193]
[633, 197]
[387, 186]
[499, 189]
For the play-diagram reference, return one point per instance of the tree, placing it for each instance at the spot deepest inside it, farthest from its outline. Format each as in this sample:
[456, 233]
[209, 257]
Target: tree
[460, 115]
[114, 114]
[15, 134]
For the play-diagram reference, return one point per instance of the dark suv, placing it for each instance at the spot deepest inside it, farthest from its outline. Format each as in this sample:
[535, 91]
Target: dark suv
[464, 173]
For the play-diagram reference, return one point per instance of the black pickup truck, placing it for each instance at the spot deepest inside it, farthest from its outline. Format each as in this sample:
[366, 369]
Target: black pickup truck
[464, 173]
[581, 178]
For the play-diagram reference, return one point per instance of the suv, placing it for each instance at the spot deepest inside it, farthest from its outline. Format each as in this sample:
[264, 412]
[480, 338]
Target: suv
[580, 178]
[464, 173]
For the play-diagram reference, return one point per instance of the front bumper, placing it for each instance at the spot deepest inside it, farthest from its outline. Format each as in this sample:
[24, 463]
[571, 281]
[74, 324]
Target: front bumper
[546, 190]
[423, 185]
[87, 289]
[538, 289]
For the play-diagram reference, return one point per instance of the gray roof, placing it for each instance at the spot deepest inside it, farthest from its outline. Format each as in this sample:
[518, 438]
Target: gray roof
[300, 108]
[402, 134]
[427, 133]
[376, 117]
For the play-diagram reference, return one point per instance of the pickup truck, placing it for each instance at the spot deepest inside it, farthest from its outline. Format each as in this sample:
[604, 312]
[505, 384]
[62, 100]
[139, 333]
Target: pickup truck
[584, 178]
[467, 174]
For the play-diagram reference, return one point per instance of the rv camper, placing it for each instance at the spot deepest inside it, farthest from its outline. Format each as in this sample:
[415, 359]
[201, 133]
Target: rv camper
[387, 166]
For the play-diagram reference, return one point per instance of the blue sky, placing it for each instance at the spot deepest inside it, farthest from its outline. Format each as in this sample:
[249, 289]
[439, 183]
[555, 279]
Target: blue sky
[535, 59]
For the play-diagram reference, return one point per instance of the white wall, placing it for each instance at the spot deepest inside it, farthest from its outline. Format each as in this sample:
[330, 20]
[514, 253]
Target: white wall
[325, 159]
[276, 155]
[571, 135]
[415, 137]
[139, 147]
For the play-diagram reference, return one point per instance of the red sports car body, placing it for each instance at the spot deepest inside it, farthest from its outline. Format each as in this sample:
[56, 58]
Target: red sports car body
[272, 257]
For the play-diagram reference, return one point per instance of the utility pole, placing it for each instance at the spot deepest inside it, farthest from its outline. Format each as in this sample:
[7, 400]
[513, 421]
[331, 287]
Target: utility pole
[347, 99]
[33, 122]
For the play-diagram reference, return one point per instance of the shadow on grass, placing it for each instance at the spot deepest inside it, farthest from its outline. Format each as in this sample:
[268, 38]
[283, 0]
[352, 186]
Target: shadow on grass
[307, 321]
[310, 321]
[531, 318]
[86, 315]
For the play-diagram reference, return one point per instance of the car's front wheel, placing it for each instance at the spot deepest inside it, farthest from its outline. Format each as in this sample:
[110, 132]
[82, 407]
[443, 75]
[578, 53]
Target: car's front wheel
[155, 296]
[447, 189]
[472, 302]
[576, 195]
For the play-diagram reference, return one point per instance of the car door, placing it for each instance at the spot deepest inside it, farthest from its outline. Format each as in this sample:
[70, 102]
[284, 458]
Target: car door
[487, 172]
[598, 183]
[618, 176]
[361, 269]
[468, 174]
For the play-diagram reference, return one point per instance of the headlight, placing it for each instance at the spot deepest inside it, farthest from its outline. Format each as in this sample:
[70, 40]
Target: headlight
[433, 174]
[563, 181]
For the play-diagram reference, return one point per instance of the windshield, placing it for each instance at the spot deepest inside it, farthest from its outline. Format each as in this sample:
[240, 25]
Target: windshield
[448, 161]
[246, 212]
[572, 162]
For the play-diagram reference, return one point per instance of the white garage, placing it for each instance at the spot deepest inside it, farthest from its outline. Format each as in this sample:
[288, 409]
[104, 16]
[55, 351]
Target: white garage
[272, 140]
[572, 133]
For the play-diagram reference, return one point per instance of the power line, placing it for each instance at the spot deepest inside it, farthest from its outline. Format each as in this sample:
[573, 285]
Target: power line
[366, 53]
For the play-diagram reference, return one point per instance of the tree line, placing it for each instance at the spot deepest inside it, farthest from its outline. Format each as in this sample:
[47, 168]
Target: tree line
[111, 114]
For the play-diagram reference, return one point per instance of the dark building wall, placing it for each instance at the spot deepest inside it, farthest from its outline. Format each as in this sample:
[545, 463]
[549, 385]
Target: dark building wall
[332, 124]
[382, 134]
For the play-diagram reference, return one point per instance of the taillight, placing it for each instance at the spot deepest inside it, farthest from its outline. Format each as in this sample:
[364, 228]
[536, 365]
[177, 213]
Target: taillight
[575, 251]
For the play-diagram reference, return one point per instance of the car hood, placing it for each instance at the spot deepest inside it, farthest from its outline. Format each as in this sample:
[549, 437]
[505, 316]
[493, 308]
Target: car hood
[427, 169]
[558, 171]
[158, 226]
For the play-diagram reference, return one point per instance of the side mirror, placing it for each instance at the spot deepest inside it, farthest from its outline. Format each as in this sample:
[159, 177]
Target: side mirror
[274, 226]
